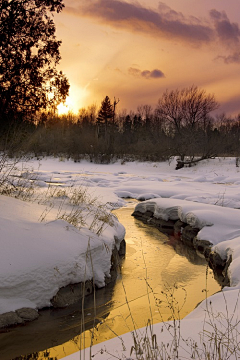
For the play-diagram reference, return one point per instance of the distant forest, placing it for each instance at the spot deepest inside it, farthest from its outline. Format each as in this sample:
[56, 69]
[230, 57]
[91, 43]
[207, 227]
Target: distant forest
[180, 125]
[31, 88]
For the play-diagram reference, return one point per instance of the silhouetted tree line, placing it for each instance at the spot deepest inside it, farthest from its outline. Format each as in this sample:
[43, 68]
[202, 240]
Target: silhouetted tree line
[180, 125]
[31, 87]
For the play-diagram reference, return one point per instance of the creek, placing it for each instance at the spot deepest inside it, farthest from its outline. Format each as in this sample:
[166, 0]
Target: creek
[157, 272]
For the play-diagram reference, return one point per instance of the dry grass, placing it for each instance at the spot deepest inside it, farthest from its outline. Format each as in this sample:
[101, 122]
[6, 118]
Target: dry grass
[218, 339]
[75, 205]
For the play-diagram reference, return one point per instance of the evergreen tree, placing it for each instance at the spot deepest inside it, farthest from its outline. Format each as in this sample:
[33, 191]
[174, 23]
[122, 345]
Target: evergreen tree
[105, 114]
[106, 126]
[127, 130]
[29, 54]
[127, 125]
[105, 117]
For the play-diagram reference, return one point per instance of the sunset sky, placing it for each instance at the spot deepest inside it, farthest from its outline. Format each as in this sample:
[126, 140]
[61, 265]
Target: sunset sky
[135, 50]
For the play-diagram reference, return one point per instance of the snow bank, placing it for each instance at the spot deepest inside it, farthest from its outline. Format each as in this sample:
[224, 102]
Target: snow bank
[36, 258]
[39, 258]
[227, 249]
[216, 223]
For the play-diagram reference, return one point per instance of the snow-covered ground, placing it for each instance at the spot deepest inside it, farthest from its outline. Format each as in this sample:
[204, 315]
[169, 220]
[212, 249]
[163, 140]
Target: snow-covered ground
[39, 257]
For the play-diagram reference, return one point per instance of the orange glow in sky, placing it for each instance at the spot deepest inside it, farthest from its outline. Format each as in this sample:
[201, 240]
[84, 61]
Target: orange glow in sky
[135, 50]
[66, 107]
[75, 101]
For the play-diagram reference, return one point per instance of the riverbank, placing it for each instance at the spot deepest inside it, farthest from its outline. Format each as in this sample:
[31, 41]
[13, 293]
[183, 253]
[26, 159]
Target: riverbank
[50, 263]
[206, 228]
[215, 182]
[212, 329]
[61, 331]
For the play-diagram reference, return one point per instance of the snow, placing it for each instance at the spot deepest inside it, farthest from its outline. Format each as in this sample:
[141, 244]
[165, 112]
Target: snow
[37, 258]
[216, 223]
[196, 330]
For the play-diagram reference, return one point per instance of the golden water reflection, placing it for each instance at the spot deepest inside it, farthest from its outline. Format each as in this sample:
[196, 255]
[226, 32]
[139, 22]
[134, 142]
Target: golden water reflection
[156, 270]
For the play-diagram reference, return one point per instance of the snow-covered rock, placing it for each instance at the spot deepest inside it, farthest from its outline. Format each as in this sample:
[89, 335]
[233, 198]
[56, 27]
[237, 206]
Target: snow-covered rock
[37, 258]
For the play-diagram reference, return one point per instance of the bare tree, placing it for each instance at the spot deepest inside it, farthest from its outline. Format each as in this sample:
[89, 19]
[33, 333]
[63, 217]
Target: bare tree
[187, 107]
[170, 109]
[145, 111]
[196, 105]
[186, 115]
[115, 102]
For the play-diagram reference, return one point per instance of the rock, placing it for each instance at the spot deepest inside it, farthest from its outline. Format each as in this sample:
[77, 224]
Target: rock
[215, 260]
[178, 227]
[71, 294]
[115, 266]
[67, 295]
[161, 224]
[225, 271]
[27, 314]
[188, 234]
[122, 248]
[220, 267]
[10, 318]
[142, 216]
[148, 214]
[116, 260]
[148, 218]
[19, 316]
[202, 246]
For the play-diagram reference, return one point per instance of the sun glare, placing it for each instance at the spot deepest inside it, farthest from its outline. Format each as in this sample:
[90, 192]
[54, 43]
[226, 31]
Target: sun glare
[66, 107]
[74, 101]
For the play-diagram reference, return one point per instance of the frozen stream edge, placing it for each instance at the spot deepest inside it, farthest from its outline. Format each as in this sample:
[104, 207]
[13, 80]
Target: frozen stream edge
[67, 295]
[200, 226]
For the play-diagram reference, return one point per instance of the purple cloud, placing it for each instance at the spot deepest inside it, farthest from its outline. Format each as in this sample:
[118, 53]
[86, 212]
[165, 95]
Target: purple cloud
[230, 59]
[163, 21]
[227, 32]
[147, 74]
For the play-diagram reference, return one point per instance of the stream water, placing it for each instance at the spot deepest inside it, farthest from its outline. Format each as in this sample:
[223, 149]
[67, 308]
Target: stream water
[157, 271]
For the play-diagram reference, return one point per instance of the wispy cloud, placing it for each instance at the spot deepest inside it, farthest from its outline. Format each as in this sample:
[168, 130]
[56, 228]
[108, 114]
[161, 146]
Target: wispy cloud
[164, 22]
[147, 74]
[227, 32]
[230, 59]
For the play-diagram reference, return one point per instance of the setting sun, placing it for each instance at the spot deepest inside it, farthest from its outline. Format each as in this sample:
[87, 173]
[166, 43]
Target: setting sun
[63, 108]
[119, 179]
[75, 100]
[66, 107]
